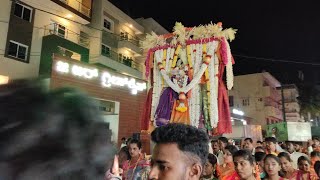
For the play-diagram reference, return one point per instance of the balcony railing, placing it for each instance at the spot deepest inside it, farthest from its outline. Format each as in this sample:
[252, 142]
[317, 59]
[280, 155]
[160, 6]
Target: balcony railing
[124, 36]
[126, 61]
[65, 33]
[77, 5]
[274, 112]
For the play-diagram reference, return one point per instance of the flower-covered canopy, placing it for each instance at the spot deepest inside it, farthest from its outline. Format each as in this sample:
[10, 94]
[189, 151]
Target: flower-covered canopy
[187, 68]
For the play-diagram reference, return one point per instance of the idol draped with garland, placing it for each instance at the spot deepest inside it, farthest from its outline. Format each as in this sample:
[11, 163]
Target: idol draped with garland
[187, 77]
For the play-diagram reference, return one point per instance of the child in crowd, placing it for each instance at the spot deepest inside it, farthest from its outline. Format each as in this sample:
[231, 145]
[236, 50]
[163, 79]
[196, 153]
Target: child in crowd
[272, 167]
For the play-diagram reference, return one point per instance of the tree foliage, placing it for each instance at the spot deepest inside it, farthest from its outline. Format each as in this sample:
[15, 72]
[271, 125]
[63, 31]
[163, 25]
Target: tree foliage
[309, 99]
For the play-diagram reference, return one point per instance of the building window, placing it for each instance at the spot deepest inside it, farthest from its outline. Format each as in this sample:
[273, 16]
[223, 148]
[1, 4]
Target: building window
[23, 12]
[60, 30]
[231, 101]
[105, 50]
[108, 24]
[245, 102]
[18, 50]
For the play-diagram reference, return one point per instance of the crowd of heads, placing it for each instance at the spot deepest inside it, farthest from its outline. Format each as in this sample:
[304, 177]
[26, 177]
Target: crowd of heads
[268, 157]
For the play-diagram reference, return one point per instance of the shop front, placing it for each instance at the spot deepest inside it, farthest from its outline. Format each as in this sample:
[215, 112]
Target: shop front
[120, 97]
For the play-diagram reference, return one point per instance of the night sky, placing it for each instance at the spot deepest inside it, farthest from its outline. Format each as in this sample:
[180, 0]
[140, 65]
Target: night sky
[275, 30]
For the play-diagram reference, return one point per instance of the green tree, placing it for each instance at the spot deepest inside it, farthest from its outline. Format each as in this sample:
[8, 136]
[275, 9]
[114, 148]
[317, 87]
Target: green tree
[309, 99]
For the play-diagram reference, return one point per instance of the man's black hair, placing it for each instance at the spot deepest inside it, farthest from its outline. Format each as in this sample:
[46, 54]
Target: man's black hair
[125, 150]
[303, 158]
[317, 168]
[248, 139]
[135, 141]
[316, 138]
[59, 134]
[259, 156]
[223, 139]
[260, 147]
[214, 141]
[232, 149]
[245, 154]
[188, 138]
[212, 159]
[271, 139]
[260, 142]
[298, 143]
[315, 154]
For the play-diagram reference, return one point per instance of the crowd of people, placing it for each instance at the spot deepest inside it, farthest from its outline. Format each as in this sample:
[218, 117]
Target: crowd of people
[60, 135]
[268, 159]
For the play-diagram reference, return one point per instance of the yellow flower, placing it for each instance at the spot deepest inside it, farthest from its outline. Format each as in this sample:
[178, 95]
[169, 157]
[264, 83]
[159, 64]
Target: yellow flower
[181, 108]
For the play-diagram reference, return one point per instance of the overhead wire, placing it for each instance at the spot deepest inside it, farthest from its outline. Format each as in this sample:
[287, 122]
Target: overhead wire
[276, 60]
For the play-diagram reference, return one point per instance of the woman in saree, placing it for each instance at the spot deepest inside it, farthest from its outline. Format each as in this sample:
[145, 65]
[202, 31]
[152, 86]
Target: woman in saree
[305, 171]
[272, 167]
[286, 165]
[245, 166]
[226, 170]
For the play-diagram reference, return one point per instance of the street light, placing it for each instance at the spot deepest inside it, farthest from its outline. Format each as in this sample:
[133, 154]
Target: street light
[237, 112]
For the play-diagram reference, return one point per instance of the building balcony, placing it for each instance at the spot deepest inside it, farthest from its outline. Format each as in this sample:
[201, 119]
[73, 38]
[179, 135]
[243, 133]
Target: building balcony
[268, 101]
[60, 46]
[272, 93]
[273, 112]
[80, 7]
[125, 41]
[119, 63]
[131, 46]
[293, 119]
[292, 114]
[61, 31]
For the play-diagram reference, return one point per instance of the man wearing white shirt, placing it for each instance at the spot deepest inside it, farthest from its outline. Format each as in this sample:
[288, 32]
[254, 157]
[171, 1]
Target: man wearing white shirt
[123, 142]
[215, 147]
[293, 154]
[248, 145]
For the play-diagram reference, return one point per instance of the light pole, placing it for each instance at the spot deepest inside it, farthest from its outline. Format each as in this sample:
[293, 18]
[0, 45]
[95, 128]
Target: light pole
[283, 104]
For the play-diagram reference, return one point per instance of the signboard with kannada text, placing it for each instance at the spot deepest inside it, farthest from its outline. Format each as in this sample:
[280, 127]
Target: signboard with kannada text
[106, 78]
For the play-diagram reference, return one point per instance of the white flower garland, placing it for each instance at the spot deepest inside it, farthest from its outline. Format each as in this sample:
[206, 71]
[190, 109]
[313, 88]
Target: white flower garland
[199, 68]
[229, 70]
[168, 59]
[213, 100]
[157, 88]
[197, 89]
[194, 81]
[194, 92]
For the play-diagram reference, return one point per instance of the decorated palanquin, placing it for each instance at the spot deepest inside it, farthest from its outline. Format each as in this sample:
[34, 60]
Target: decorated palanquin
[187, 71]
